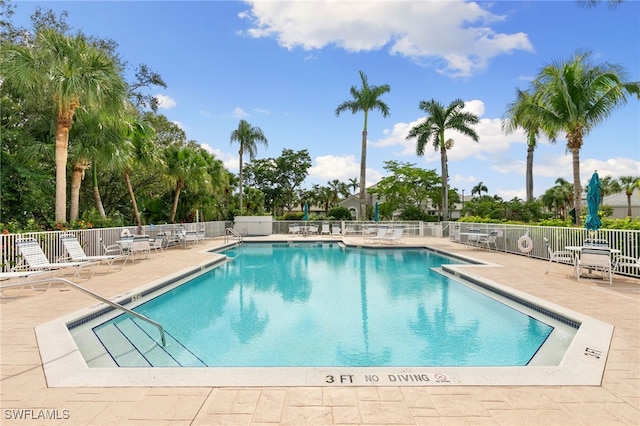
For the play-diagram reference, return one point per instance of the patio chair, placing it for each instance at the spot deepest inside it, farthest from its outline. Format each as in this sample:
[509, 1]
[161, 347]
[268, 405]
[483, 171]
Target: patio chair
[113, 249]
[335, 231]
[325, 229]
[294, 229]
[621, 262]
[559, 256]
[158, 243]
[489, 240]
[595, 258]
[36, 259]
[76, 252]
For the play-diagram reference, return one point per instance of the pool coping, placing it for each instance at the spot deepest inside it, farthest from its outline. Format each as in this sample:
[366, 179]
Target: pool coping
[582, 364]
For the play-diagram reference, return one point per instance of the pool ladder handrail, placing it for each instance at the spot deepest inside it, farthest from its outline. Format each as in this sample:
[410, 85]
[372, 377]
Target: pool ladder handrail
[96, 296]
[231, 231]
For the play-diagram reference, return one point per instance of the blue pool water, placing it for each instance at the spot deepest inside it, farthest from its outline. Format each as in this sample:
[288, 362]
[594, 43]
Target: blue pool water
[326, 305]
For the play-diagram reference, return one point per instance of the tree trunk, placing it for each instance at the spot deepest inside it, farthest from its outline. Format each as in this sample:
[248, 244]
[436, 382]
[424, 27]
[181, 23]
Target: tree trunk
[240, 175]
[529, 178]
[363, 175]
[445, 179]
[577, 187]
[133, 199]
[96, 192]
[77, 174]
[174, 208]
[629, 204]
[62, 139]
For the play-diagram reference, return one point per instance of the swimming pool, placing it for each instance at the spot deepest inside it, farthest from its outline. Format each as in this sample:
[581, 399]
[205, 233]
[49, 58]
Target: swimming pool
[302, 305]
[69, 361]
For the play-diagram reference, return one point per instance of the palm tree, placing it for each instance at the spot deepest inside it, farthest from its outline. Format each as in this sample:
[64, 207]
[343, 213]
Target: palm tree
[67, 73]
[608, 186]
[353, 185]
[521, 113]
[573, 97]
[247, 136]
[186, 168]
[365, 99]
[629, 184]
[478, 189]
[432, 130]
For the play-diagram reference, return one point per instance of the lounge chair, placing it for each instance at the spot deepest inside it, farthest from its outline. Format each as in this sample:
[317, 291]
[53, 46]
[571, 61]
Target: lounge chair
[295, 229]
[335, 231]
[380, 235]
[559, 256]
[395, 236]
[76, 252]
[595, 258]
[36, 259]
[19, 280]
[325, 229]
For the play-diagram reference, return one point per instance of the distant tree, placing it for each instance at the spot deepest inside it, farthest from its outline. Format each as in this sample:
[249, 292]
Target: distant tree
[365, 99]
[432, 129]
[478, 189]
[629, 184]
[246, 135]
[521, 113]
[353, 185]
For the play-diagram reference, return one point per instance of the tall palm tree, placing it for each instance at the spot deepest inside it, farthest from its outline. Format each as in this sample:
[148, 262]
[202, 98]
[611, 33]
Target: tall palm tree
[68, 73]
[629, 184]
[521, 113]
[247, 136]
[573, 97]
[365, 99]
[432, 130]
[478, 189]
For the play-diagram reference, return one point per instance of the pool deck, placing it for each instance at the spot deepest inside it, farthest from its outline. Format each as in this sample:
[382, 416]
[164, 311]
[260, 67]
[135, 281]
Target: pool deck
[24, 391]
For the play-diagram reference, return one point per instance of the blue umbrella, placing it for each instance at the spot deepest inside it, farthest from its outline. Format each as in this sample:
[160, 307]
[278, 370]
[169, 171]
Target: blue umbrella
[376, 212]
[593, 222]
[306, 211]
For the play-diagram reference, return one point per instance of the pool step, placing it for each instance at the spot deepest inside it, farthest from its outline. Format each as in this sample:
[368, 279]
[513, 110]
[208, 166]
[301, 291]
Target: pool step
[133, 343]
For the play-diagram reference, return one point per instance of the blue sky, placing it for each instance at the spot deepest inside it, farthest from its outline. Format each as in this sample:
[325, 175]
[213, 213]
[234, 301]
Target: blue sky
[285, 66]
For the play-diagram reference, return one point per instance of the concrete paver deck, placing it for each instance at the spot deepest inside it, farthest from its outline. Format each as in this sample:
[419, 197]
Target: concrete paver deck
[25, 398]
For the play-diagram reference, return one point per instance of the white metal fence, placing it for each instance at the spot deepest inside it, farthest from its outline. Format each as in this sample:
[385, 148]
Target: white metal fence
[627, 241]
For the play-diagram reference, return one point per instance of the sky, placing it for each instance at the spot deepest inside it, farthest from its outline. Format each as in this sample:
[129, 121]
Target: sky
[285, 66]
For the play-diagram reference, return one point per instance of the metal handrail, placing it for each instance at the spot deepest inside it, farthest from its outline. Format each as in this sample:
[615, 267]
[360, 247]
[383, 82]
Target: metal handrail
[233, 232]
[94, 295]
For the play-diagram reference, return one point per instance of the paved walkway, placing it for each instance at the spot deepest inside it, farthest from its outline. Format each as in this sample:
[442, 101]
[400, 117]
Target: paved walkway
[25, 398]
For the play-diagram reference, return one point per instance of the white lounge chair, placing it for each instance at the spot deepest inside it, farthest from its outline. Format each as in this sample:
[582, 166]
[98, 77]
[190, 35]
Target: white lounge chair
[559, 256]
[158, 243]
[395, 236]
[382, 232]
[19, 280]
[325, 229]
[595, 258]
[295, 229]
[76, 252]
[36, 259]
[335, 231]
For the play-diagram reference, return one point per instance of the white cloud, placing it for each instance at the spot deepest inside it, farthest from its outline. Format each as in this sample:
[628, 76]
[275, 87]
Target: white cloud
[165, 102]
[229, 160]
[411, 29]
[239, 113]
[343, 168]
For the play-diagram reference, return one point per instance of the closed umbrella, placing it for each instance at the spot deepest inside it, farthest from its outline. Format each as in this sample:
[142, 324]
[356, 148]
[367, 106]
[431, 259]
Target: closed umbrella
[376, 212]
[593, 222]
[306, 211]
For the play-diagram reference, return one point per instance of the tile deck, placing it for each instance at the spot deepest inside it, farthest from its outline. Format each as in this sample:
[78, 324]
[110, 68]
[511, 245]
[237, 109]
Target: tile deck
[25, 398]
